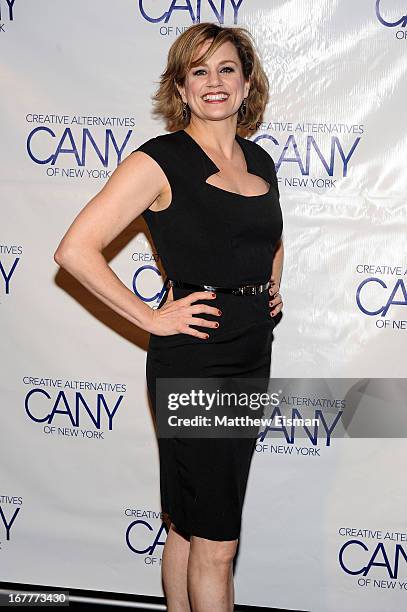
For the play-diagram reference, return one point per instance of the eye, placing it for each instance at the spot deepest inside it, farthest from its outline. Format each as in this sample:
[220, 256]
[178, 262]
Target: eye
[228, 68]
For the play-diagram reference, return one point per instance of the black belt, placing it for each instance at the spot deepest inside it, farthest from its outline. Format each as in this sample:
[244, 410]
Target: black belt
[242, 290]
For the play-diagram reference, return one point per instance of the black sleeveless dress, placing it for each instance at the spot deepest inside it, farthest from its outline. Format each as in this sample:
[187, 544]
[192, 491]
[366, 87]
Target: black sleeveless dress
[211, 236]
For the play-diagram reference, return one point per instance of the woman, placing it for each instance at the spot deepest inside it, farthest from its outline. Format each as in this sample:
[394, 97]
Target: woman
[210, 198]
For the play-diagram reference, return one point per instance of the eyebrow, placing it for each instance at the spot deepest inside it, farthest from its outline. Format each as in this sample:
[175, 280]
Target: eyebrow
[222, 62]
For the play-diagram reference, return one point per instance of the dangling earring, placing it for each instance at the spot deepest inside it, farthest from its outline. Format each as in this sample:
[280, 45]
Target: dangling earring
[184, 110]
[243, 107]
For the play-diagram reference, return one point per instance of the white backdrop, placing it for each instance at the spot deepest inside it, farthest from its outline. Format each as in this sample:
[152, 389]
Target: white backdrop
[324, 525]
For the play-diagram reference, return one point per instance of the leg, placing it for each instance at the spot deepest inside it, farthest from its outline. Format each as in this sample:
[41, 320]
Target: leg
[174, 571]
[210, 574]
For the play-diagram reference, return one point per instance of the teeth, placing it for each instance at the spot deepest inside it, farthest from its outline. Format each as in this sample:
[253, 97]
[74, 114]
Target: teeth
[215, 97]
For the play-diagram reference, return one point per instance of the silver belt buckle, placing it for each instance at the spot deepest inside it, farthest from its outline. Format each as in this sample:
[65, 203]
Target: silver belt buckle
[248, 289]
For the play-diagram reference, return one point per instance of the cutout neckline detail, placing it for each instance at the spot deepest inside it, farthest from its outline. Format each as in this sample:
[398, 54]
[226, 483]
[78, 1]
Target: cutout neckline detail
[213, 168]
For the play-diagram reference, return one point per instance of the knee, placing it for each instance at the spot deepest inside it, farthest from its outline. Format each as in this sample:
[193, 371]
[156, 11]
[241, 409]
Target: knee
[210, 553]
[224, 555]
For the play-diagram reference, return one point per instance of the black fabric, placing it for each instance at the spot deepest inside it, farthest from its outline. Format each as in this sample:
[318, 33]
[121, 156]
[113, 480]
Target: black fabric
[215, 237]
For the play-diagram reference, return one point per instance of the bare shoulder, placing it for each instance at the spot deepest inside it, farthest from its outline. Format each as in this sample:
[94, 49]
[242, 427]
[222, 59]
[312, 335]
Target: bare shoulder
[143, 170]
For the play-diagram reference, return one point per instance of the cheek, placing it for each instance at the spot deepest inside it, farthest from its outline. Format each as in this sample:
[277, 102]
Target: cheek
[235, 83]
[192, 87]
[195, 90]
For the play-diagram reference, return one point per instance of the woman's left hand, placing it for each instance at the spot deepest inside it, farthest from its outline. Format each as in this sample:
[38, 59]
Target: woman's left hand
[276, 303]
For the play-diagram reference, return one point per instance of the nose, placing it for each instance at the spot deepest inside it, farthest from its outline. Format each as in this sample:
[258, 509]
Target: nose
[213, 78]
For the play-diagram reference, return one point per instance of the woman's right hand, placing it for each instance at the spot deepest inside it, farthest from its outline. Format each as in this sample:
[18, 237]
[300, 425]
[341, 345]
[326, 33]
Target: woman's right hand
[175, 316]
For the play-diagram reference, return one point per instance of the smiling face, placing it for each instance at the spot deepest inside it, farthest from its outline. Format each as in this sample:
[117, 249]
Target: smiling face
[215, 89]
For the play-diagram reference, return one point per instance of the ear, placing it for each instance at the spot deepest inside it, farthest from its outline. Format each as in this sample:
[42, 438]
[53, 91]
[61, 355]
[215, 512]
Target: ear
[181, 91]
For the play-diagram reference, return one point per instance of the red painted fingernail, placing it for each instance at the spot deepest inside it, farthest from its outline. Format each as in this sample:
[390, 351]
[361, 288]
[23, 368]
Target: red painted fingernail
[213, 294]
[216, 324]
[219, 312]
[207, 336]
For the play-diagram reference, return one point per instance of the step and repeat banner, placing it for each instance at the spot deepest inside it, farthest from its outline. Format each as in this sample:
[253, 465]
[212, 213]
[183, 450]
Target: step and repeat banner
[324, 524]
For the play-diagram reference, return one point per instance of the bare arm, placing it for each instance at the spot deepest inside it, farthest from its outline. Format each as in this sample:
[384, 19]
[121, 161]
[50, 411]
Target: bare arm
[132, 188]
[278, 262]
[276, 302]
[134, 185]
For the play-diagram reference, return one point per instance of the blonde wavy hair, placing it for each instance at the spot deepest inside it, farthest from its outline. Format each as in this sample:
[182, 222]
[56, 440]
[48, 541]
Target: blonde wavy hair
[167, 101]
